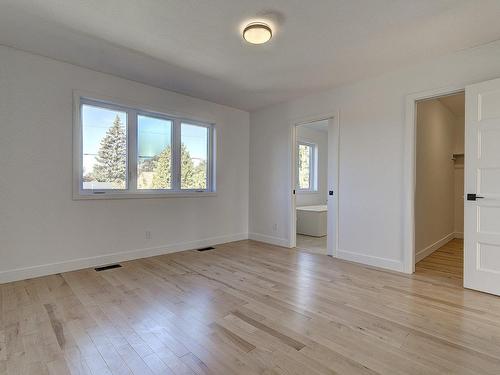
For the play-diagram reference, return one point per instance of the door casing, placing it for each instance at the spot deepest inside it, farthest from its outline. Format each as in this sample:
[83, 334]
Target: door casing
[333, 178]
[410, 169]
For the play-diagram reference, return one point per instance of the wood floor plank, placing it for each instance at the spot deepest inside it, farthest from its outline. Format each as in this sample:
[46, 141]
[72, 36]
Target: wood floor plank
[280, 336]
[251, 308]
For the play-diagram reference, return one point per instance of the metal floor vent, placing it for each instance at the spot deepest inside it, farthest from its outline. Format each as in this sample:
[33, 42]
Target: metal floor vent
[110, 267]
[206, 248]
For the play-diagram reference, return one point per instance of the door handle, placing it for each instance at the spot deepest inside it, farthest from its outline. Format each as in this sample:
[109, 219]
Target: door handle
[473, 197]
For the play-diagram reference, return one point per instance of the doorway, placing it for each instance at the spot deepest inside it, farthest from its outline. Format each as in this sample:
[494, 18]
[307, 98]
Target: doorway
[439, 187]
[314, 208]
[481, 254]
[311, 186]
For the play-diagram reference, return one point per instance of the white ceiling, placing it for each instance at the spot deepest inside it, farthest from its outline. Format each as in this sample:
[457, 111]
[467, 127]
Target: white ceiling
[195, 47]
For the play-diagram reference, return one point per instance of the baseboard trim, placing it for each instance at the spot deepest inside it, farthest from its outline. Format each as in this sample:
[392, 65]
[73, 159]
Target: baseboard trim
[101, 260]
[436, 245]
[370, 260]
[459, 235]
[283, 242]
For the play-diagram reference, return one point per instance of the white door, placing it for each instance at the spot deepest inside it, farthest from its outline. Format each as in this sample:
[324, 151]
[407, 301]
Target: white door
[482, 178]
[333, 183]
[333, 186]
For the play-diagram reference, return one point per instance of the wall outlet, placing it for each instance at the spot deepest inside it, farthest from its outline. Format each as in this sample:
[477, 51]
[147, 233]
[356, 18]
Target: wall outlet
[275, 227]
[148, 235]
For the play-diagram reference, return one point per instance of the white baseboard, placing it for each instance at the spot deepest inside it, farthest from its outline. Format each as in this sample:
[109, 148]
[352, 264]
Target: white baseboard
[436, 245]
[370, 260]
[459, 235]
[77, 264]
[283, 242]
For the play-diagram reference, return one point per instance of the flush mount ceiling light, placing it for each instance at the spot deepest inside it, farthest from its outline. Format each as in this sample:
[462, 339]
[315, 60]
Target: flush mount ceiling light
[257, 33]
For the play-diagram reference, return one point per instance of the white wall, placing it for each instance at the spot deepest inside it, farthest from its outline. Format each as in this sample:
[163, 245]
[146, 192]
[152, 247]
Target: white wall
[41, 225]
[320, 138]
[459, 146]
[371, 176]
[435, 177]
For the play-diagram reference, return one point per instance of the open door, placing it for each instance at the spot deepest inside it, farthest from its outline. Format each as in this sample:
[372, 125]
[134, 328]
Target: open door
[333, 183]
[332, 179]
[482, 187]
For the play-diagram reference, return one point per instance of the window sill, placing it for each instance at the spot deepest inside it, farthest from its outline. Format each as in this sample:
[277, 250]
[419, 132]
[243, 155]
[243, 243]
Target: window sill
[180, 194]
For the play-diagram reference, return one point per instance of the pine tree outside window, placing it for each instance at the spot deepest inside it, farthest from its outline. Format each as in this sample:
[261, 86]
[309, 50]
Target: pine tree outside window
[104, 148]
[126, 152]
[306, 166]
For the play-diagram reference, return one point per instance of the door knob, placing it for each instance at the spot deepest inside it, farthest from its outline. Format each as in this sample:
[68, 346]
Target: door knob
[473, 197]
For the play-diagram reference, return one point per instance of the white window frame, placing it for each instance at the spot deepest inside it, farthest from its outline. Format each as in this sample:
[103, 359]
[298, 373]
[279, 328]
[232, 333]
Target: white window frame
[133, 111]
[313, 167]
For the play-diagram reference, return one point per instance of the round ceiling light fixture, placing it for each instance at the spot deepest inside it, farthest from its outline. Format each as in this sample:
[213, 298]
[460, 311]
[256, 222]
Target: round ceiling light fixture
[257, 33]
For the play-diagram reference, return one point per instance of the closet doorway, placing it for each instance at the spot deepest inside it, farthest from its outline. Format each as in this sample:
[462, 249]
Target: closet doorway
[439, 188]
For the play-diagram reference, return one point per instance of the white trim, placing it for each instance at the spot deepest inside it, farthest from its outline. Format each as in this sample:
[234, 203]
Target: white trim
[292, 225]
[431, 248]
[146, 195]
[335, 130]
[134, 110]
[100, 260]
[410, 169]
[334, 172]
[371, 260]
[283, 242]
[458, 235]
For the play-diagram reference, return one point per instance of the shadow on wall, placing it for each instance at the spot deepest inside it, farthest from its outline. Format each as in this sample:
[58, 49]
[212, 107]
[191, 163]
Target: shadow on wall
[439, 190]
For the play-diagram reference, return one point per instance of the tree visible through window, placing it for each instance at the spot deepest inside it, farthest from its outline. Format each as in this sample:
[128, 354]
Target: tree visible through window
[154, 159]
[159, 165]
[194, 150]
[306, 165]
[104, 149]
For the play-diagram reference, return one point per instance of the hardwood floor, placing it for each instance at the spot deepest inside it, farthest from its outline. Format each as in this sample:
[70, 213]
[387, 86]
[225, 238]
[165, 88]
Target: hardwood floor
[311, 244]
[246, 308]
[445, 264]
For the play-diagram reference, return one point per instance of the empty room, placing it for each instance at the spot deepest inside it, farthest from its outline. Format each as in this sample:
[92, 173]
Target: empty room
[249, 187]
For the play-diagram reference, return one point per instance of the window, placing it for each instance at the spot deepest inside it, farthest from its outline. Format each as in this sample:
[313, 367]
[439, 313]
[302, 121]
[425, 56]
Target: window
[306, 166]
[127, 152]
[154, 153]
[194, 151]
[104, 144]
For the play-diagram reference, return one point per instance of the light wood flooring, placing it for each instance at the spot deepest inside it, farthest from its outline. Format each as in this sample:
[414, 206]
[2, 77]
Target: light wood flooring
[311, 244]
[445, 264]
[246, 308]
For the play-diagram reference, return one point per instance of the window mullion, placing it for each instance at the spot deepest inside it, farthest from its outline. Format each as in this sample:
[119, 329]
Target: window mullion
[311, 168]
[132, 151]
[315, 168]
[176, 156]
[210, 160]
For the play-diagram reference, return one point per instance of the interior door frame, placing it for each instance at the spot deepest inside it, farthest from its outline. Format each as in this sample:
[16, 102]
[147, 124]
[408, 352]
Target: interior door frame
[333, 140]
[410, 168]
